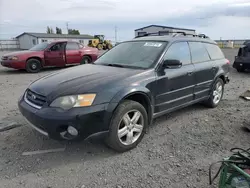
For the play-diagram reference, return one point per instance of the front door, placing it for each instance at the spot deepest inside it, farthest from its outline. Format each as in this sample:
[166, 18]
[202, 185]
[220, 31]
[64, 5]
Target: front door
[205, 68]
[55, 56]
[73, 53]
[175, 86]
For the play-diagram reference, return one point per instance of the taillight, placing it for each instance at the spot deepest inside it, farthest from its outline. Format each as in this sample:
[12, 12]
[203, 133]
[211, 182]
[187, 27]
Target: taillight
[227, 62]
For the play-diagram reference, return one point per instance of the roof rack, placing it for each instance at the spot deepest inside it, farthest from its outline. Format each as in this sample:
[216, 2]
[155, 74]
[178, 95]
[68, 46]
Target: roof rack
[176, 33]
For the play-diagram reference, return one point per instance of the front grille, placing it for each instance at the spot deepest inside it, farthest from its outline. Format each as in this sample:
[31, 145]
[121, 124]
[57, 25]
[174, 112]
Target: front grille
[35, 99]
[4, 58]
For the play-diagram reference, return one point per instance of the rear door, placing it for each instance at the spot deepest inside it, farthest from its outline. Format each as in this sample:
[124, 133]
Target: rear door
[73, 53]
[55, 55]
[175, 86]
[205, 69]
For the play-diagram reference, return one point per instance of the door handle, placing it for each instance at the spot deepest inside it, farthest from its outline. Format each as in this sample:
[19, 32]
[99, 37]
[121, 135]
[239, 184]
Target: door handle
[190, 73]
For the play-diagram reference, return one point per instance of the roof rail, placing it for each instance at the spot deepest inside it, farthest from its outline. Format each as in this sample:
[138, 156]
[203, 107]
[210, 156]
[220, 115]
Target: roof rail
[176, 33]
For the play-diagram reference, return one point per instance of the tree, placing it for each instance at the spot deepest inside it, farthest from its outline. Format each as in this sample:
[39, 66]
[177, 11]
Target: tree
[73, 32]
[58, 30]
[50, 30]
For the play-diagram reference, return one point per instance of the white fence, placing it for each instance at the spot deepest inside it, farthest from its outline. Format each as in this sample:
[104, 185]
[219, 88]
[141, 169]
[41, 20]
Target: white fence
[11, 44]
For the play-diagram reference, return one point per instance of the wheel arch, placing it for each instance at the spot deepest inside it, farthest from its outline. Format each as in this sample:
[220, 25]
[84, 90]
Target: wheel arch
[37, 58]
[87, 55]
[142, 96]
[221, 76]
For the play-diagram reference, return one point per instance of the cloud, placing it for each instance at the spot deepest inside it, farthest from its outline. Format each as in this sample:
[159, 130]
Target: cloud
[101, 16]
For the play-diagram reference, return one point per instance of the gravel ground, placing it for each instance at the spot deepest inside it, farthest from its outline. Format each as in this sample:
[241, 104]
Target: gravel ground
[176, 152]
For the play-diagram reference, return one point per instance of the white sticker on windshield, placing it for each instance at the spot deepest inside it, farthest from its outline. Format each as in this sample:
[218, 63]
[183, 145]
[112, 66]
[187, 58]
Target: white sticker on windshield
[153, 44]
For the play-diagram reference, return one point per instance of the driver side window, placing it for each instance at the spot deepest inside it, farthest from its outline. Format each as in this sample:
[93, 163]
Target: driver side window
[179, 51]
[57, 47]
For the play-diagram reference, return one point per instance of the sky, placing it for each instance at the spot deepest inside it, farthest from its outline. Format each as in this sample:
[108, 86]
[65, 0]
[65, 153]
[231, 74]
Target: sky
[225, 19]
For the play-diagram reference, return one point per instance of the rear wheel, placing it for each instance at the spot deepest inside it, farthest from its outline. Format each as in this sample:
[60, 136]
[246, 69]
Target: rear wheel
[86, 60]
[216, 94]
[109, 46]
[33, 66]
[240, 69]
[127, 127]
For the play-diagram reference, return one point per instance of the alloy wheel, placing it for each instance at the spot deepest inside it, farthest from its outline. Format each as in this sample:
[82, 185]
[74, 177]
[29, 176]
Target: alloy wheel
[217, 93]
[130, 127]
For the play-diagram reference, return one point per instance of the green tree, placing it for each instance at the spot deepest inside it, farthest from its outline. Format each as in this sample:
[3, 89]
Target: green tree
[58, 30]
[73, 32]
[50, 30]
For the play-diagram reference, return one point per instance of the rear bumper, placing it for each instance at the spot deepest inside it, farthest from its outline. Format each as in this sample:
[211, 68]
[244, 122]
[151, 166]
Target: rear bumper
[14, 64]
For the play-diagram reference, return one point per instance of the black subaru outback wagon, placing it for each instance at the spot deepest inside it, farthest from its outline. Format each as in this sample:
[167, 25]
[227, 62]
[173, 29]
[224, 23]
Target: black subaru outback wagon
[126, 88]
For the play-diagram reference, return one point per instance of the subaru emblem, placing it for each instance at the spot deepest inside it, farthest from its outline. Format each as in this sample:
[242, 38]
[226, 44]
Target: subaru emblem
[33, 97]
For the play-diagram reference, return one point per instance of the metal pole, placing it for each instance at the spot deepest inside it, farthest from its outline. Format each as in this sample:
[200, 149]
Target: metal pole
[115, 34]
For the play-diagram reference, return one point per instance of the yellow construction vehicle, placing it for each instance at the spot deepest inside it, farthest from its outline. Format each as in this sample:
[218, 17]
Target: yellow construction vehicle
[100, 43]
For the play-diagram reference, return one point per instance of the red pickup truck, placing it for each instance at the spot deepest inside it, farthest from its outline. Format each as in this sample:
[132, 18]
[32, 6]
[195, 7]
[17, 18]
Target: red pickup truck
[54, 54]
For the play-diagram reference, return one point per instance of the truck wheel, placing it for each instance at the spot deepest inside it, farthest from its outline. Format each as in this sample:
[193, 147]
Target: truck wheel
[127, 126]
[100, 46]
[216, 94]
[33, 66]
[86, 60]
[240, 69]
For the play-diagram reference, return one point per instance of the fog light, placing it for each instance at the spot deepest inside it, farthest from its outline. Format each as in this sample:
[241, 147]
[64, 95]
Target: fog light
[72, 130]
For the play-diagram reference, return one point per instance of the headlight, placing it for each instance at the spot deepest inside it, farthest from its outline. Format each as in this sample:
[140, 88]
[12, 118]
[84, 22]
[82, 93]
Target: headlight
[13, 58]
[68, 102]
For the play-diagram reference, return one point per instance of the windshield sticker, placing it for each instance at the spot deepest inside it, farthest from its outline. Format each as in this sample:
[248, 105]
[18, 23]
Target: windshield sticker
[153, 44]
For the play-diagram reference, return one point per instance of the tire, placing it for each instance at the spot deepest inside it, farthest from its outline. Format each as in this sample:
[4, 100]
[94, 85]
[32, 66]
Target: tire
[100, 46]
[123, 143]
[33, 66]
[240, 69]
[109, 46]
[212, 102]
[86, 60]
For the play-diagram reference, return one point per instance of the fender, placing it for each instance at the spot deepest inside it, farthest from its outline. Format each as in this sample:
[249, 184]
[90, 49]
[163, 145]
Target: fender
[126, 92]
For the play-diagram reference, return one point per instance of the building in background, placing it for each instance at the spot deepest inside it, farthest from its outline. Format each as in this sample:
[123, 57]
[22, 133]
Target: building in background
[162, 30]
[233, 43]
[28, 40]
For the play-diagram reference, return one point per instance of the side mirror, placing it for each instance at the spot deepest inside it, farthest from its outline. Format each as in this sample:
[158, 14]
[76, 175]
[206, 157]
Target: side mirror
[172, 63]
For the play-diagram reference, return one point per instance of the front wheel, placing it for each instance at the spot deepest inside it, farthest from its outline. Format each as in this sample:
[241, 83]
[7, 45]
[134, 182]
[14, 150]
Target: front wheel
[33, 66]
[216, 94]
[127, 127]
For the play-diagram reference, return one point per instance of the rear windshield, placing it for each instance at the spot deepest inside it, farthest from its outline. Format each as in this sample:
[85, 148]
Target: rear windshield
[214, 51]
[137, 54]
[39, 47]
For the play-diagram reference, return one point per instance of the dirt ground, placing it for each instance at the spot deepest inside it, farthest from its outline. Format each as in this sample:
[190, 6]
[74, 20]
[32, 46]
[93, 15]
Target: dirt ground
[175, 153]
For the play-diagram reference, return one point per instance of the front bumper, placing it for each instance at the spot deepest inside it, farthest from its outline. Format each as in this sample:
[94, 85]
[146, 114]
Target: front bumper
[14, 64]
[52, 122]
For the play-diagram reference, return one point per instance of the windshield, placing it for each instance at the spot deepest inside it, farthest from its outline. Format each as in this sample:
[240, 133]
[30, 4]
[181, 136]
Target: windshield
[137, 54]
[39, 47]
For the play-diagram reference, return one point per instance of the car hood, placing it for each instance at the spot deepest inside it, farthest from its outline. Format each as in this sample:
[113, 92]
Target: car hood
[19, 53]
[81, 79]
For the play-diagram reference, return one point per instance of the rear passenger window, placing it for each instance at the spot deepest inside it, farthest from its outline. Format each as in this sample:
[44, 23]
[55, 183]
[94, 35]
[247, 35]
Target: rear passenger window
[179, 51]
[198, 52]
[214, 51]
[72, 46]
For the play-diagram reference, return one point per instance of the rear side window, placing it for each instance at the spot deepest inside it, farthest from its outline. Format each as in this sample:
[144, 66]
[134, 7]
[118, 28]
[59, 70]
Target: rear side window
[198, 52]
[214, 51]
[72, 46]
[179, 51]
